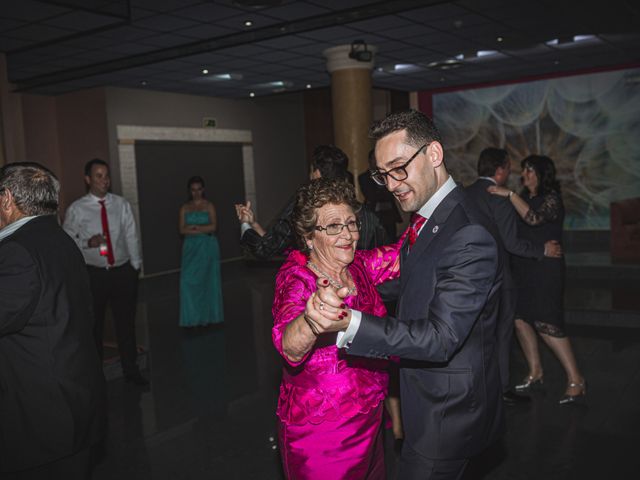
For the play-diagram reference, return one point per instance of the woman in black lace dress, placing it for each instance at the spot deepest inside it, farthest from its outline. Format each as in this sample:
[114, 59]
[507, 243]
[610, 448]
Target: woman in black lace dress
[540, 283]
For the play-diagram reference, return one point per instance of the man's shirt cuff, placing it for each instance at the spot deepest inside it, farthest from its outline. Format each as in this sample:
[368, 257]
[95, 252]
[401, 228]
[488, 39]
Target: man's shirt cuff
[244, 226]
[345, 338]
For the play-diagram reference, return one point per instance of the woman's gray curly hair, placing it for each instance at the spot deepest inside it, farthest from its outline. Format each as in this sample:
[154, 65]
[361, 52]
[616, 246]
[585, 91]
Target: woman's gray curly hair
[315, 195]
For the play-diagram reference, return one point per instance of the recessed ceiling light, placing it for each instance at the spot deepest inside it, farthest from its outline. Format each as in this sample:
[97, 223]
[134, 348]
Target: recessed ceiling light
[205, 71]
[442, 79]
[582, 38]
[248, 23]
[143, 83]
[499, 39]
[556, 62]
[308, 85]
[446, 64]
[398, 67]
[252, 94]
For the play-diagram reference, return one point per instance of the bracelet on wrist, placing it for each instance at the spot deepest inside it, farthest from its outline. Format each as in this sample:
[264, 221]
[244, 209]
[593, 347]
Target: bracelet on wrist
[311, 324]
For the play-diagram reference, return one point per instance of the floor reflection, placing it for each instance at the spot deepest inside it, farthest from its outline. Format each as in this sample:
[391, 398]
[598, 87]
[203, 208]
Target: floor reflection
[209, 410]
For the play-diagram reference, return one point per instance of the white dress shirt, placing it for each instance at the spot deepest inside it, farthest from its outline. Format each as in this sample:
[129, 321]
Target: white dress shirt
[345, 338]
[83, 220]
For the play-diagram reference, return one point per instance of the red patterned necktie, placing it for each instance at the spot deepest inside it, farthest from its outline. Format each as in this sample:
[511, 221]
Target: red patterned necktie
[105, 232]
[417, 221]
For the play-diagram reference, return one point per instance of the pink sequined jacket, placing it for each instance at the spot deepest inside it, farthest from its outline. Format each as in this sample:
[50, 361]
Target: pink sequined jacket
[326, 384]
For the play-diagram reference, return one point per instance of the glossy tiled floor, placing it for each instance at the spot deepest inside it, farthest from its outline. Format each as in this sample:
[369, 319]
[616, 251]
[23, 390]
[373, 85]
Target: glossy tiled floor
[209, 411]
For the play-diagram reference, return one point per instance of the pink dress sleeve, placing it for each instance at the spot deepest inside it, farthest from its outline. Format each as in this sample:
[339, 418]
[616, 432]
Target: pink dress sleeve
[382, 263]
[292, 290]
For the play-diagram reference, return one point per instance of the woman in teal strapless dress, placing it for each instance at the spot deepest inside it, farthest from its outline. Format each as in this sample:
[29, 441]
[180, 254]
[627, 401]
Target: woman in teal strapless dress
[200, 284]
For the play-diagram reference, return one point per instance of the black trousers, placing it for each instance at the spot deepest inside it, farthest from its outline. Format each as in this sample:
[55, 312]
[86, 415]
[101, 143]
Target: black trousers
[73, 467]
[413, 466]
[504, 332]
[118, 288]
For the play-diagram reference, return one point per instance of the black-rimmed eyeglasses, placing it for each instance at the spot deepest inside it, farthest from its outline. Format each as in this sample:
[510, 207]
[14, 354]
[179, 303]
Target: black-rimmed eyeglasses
[397, 173]
[336, 228]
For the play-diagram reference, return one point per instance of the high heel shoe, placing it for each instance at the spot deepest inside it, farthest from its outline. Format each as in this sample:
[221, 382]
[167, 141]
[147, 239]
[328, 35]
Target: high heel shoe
[529, 383]
[571, 399]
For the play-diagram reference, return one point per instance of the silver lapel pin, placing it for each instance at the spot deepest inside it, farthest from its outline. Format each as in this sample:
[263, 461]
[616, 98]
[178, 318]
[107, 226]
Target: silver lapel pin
[435, 229]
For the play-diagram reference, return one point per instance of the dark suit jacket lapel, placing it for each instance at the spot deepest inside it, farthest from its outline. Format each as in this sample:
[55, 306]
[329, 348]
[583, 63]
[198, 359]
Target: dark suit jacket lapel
[431, 229]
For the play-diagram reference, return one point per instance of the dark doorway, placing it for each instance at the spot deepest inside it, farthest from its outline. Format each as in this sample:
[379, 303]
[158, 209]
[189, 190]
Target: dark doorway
[163, 169]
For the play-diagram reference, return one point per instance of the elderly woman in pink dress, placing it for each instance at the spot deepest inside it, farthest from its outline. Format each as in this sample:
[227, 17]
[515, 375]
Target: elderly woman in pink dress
[330, 406]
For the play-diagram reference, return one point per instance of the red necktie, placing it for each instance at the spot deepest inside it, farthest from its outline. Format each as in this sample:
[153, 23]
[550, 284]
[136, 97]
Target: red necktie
[417, 221]
[105, 232]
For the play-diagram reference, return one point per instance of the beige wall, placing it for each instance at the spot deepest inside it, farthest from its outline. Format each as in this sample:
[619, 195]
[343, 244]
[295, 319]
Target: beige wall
[276, 123]
[41, 133]
[63, 133]
[12, 146]
[66, 131]
[82, 134]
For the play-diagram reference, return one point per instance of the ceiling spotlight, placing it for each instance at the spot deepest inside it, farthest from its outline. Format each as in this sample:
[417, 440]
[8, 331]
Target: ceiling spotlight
[248, 23]
[499, 39]
[360, 52]
[556, 62]
[582, 38]
[143, 83]
[448, 64]
[308, 85]
[252, 94]
[205, 71]
[485, 53]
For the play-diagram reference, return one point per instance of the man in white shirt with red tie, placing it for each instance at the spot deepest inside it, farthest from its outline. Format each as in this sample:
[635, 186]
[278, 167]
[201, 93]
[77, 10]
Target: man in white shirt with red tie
[103, 227]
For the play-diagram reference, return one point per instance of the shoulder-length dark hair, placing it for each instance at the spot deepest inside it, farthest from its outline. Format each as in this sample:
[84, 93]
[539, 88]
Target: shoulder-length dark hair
[315, 195]
[545, 171]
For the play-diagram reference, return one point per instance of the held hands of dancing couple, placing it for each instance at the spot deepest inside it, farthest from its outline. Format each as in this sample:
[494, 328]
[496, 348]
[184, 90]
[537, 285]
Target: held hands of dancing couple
[325, 310]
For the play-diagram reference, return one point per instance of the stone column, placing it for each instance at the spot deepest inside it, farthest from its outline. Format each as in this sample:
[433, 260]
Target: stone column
[352, 105]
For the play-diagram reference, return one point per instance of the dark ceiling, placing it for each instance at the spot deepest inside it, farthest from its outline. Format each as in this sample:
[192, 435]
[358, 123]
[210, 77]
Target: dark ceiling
[54, 47]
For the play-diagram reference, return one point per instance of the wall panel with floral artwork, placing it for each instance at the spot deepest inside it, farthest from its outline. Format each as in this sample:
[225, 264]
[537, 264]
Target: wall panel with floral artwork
[588, 124]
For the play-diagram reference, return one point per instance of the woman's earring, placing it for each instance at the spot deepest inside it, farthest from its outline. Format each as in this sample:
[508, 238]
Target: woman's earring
[310, 245]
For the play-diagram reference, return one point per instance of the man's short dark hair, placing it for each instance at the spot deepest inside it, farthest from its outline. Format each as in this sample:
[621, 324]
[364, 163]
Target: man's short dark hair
[420, 129]
[34, 188]
[490, 160]
[94, 161]
[330, 161]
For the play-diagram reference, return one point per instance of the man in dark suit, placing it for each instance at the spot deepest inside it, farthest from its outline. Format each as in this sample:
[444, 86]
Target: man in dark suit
[52, 390]
[494, 168]
[445, 327]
